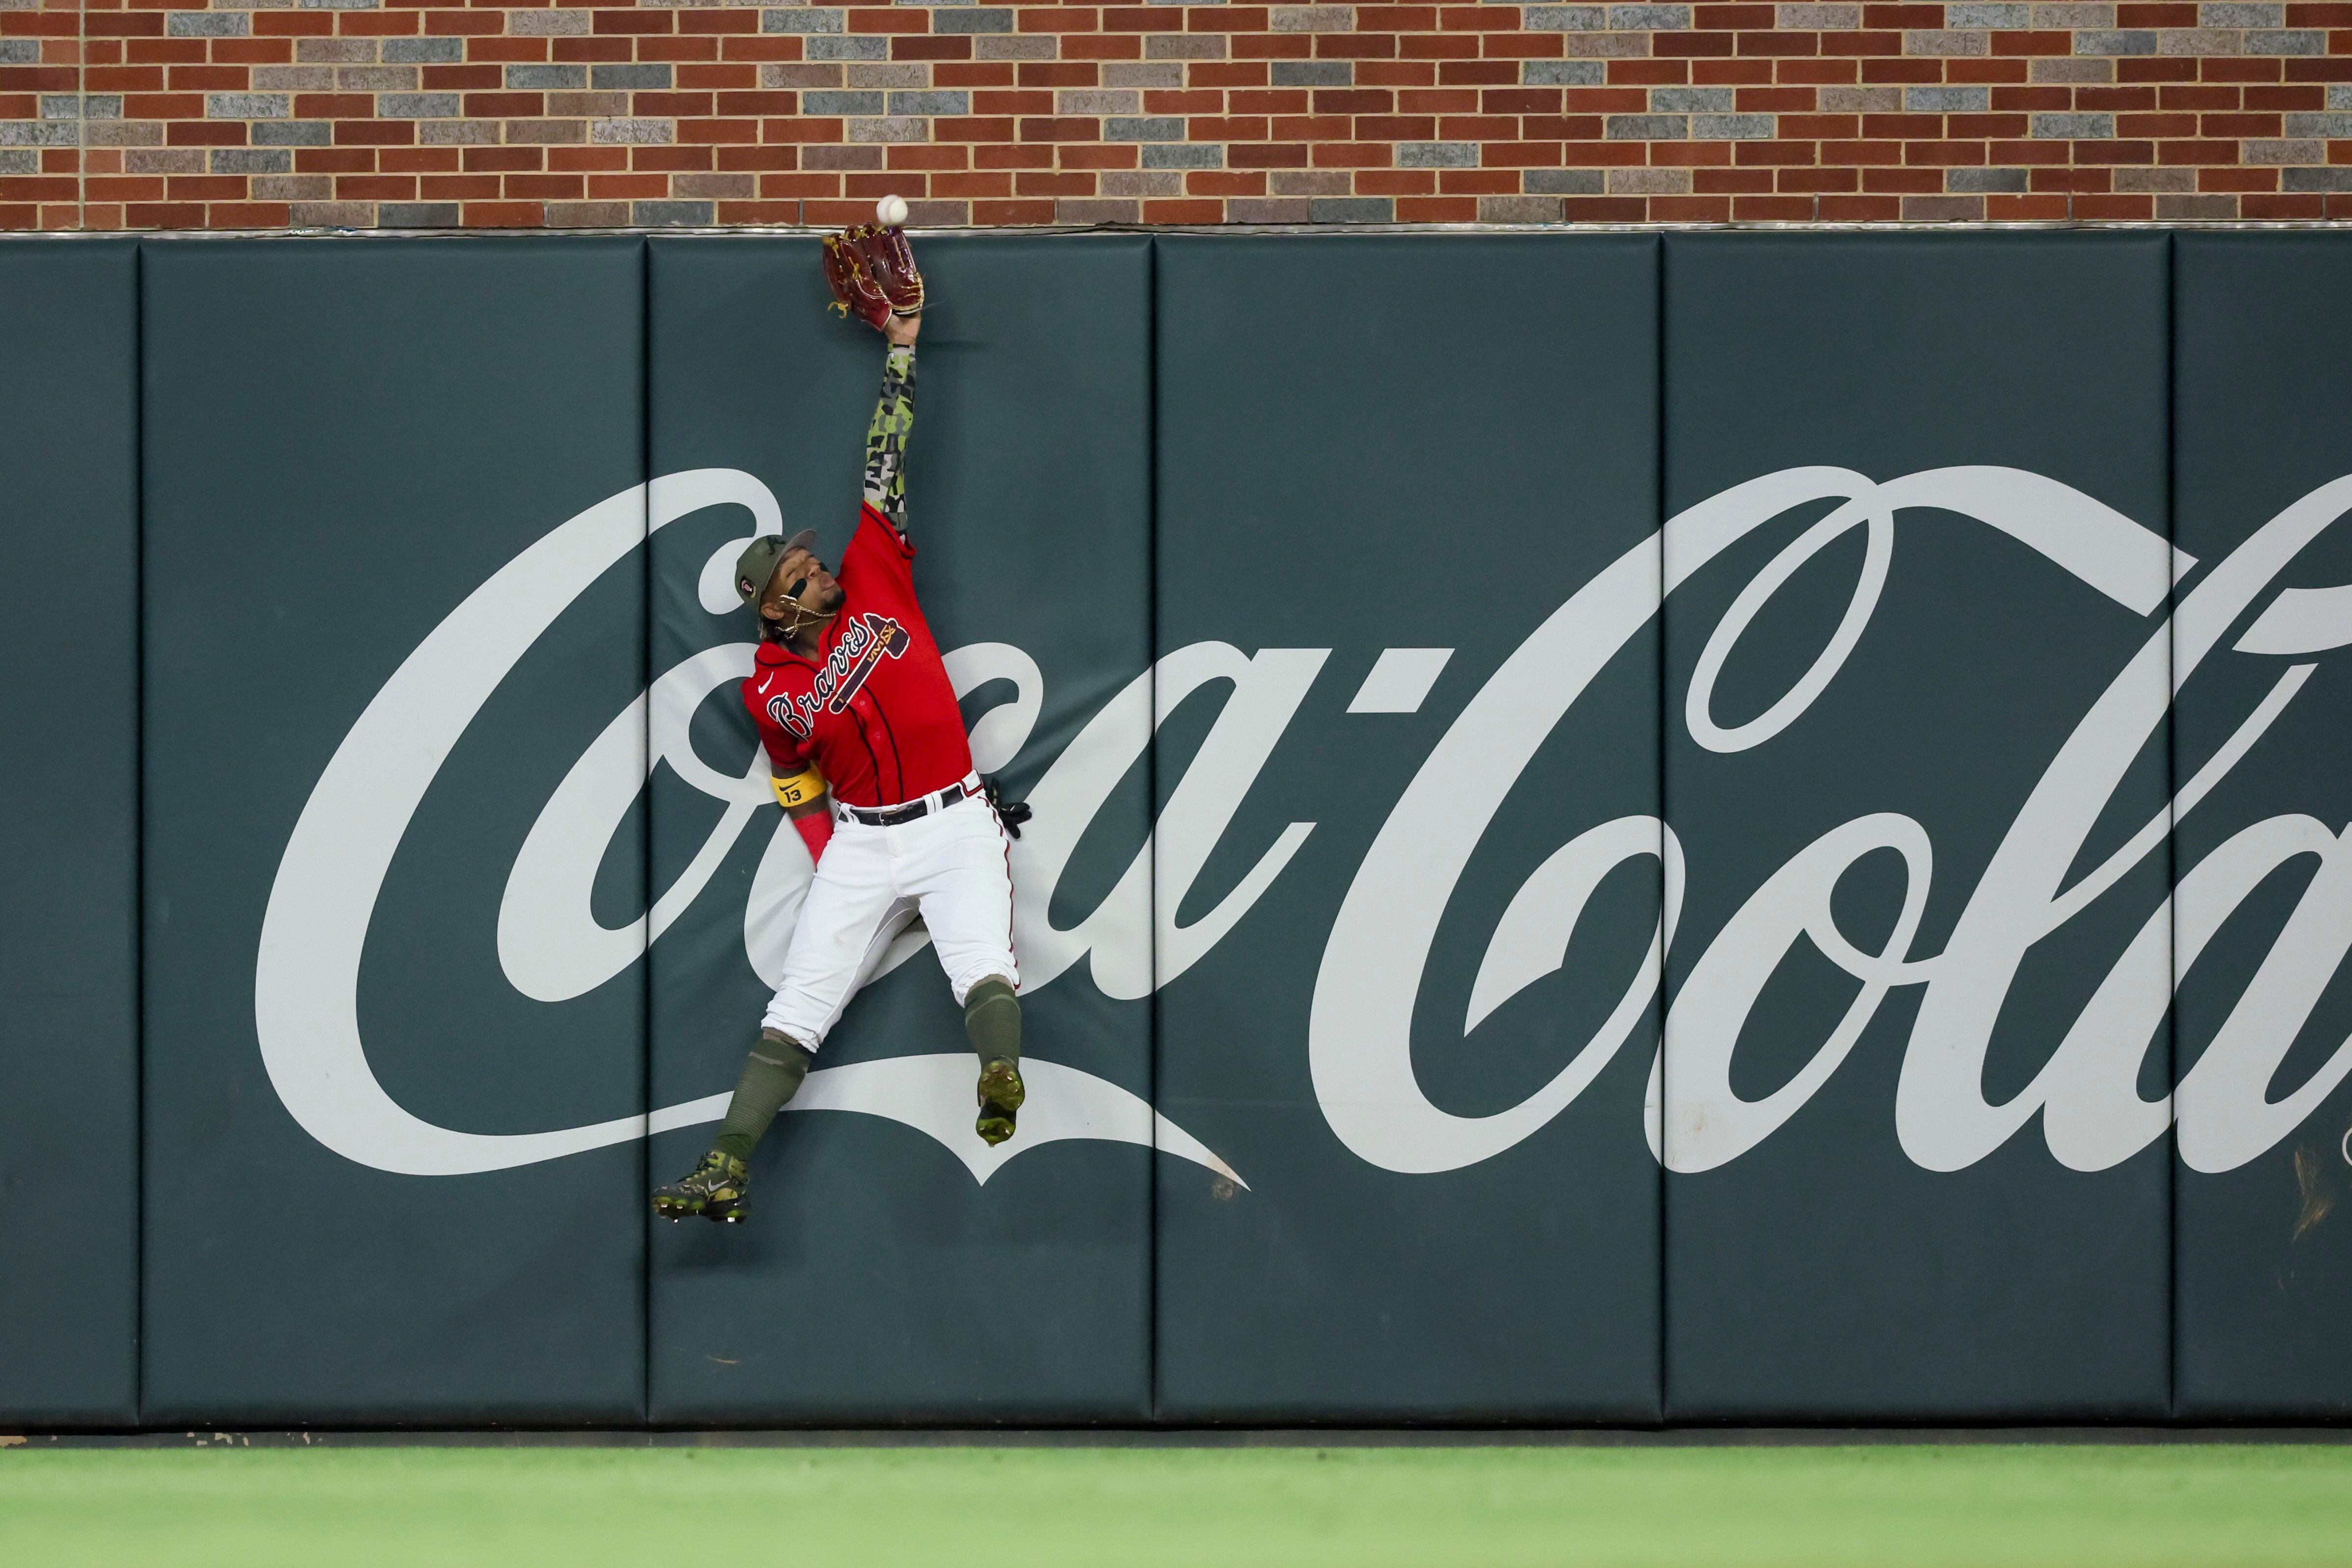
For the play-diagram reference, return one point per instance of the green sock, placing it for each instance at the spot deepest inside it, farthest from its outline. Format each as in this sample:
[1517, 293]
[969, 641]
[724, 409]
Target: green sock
[771, 1078]
[992, 1016]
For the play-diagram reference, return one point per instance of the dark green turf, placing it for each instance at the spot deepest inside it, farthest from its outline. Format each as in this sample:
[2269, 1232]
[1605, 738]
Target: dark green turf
[1881, 1506]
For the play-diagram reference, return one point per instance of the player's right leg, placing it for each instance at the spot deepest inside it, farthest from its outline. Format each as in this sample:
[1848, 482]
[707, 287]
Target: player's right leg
[850, 913]
[958, 864]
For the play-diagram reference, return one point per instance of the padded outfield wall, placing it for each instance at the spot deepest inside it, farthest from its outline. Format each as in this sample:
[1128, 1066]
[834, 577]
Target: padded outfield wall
[1760, 838]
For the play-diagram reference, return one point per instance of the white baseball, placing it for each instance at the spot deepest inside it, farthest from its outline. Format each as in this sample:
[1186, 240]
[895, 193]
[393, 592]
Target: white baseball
[891, 210]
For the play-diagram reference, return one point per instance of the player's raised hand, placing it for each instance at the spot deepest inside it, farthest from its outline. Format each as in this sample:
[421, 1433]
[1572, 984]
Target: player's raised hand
[874, 277]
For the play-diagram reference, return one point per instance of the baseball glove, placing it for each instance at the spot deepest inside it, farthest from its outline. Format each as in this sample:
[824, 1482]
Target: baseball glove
[872, 273]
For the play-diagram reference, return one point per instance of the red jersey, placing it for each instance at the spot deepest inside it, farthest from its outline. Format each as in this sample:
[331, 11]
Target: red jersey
[874, 710]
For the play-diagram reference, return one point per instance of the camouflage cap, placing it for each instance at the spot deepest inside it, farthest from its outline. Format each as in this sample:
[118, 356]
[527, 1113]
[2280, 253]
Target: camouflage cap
[759, 561]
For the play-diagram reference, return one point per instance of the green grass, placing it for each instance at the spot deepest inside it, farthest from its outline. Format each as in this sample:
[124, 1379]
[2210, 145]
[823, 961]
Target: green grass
[1883, 1506]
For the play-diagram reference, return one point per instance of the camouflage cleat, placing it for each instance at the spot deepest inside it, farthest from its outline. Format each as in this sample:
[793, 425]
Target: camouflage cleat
[715, 1191]
[1000, 1094]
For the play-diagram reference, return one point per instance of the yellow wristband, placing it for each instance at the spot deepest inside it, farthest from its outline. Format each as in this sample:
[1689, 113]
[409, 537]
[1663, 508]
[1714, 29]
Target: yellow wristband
[801, 789]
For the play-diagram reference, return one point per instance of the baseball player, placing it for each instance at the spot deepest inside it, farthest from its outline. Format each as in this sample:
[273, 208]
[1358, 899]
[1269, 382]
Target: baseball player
[871, 760]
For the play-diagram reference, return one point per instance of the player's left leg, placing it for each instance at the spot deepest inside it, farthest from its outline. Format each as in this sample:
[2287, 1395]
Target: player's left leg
[960, 869]
[849, 916]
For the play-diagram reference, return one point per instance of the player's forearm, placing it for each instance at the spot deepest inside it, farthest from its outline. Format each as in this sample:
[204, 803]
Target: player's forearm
[813, 822]
[886, 436]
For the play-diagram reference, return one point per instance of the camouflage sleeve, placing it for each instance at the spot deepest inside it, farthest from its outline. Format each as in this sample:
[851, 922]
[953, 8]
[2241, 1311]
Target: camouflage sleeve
[885, 439]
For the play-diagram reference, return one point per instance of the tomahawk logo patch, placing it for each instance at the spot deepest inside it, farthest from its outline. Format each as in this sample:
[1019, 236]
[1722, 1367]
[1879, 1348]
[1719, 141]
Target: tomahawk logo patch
[869, 640]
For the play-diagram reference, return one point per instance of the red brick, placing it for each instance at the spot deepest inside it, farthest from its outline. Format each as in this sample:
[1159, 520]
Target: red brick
[2277, 100]
[2280, 207]
[2239, 125]
[2031, 100]
[1267, 156]
[417, 160]
[1832, 127]
[1050, 182]
[1695, 46]
[1900, 71]
[1818, 179]
[1945, 154]
[1774, 153]
[1903, 181]
[1769, 46]
[576, 50]
[1864, 155]
[630, 21]
[205, 133]
[505, 158]
[1650, 73]
[333, 160]
[930, 48]
[1437, 209]
[2192, 153]
[2221, 69]
[1817, 72]
[1223, 183]
[2041, 43]
[2237, 179]
[590, 160]
[1665, 154]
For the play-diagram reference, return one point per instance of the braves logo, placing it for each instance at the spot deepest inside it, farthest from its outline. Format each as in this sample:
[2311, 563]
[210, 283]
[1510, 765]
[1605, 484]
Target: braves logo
[869, 640]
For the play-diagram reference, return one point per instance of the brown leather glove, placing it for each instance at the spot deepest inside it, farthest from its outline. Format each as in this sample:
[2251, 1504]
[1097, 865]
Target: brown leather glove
[873, 274]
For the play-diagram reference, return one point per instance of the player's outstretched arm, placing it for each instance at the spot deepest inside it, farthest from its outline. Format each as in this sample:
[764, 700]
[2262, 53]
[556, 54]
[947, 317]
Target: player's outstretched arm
[894, 422]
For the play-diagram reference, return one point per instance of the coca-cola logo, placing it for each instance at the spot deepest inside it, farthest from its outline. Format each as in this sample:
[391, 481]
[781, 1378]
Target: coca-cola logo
[1376, 953]
[2092, 1114]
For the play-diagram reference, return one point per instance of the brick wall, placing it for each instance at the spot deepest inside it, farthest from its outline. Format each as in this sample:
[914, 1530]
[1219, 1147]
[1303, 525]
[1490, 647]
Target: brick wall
[264, 113]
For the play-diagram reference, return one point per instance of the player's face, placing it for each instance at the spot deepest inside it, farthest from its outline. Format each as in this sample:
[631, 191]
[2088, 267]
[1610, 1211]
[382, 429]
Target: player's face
[800, 578]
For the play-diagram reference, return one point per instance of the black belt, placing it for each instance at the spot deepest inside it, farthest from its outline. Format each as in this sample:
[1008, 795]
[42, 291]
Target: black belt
[892, 815]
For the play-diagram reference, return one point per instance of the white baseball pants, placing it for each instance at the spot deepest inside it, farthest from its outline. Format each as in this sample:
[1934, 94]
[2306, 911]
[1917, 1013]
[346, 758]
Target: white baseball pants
[954, 867]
